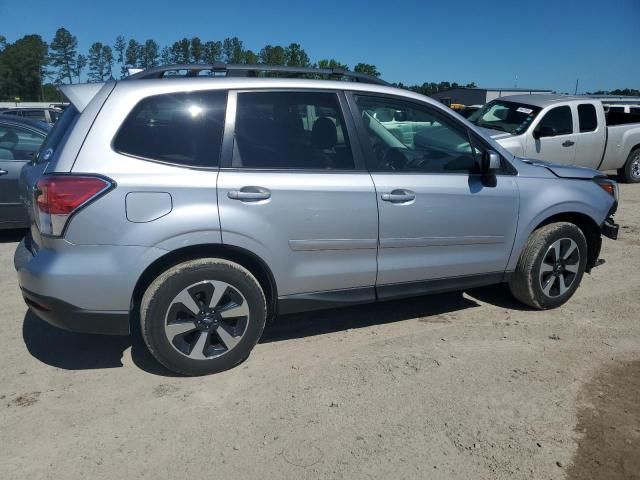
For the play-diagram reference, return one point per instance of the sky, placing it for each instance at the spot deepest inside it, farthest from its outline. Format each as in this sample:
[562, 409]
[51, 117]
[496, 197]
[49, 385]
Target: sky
[526, 43]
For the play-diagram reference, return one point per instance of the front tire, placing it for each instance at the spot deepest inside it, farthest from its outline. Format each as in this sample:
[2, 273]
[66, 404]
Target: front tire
[630, 173]
[203, 316]
[551, 266]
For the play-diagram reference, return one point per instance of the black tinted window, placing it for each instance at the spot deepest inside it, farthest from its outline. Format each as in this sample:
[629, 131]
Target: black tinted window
[412, 137]
[616, 109]
[635, 110]
[57, 133]
[560, 119]
[181, 128]
[587, 117]
[295, 130]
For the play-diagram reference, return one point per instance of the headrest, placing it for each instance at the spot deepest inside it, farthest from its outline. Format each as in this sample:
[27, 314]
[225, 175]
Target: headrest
[324, 133]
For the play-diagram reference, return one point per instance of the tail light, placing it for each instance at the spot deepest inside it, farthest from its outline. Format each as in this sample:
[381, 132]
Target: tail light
[58, 197]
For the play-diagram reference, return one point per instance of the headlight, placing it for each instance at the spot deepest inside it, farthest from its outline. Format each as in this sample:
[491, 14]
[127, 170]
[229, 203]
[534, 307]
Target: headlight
[608, 185]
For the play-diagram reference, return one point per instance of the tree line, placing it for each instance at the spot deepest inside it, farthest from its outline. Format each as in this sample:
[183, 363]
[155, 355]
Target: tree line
[30, 68]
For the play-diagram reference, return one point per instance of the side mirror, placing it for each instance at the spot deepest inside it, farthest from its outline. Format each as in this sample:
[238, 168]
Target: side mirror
[544, 131]
[490, 162]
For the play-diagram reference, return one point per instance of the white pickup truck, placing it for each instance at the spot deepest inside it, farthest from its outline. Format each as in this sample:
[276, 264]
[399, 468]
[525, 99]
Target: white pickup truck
[565, 129]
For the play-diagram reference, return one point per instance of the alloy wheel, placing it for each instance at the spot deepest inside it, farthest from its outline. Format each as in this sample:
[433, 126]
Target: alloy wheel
[560, 267]
[206, 320]
[635, 165]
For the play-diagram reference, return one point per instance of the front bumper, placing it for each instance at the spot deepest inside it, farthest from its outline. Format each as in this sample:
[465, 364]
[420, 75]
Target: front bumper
[610, 229]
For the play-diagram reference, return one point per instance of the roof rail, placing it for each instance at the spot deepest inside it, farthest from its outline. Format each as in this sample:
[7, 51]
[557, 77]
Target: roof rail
[232, 70]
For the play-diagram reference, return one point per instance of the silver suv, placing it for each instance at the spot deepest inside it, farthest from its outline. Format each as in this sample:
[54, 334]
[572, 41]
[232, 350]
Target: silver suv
[201, 206]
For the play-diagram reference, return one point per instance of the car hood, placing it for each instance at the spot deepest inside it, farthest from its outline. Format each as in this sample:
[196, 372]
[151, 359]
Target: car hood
[564, 171]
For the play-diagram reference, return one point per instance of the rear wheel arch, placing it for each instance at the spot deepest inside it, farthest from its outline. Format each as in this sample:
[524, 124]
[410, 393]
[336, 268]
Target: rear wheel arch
[243, 257]
[589, 228]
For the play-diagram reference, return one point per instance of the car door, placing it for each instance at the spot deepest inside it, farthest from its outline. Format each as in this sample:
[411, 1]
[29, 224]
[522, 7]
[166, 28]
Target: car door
[441, 223]
[17, 147]
[591, 138]
[293, 191]
[553, 138]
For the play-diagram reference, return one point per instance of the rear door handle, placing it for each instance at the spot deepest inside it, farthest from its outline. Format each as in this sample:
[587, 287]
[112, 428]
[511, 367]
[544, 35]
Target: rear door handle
[3, 172]
[399, 196]
[249, 194]
[568, 143]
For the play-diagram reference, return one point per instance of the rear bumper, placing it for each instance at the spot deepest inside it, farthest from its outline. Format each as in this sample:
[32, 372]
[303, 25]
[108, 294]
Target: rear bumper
[82, 288]
[69, 317]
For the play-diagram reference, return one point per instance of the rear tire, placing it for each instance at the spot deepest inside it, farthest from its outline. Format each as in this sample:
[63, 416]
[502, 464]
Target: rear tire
[551, 266]
[203, 316]
[630, 173]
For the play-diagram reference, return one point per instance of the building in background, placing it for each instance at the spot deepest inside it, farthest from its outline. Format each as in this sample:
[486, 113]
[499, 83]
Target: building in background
[480, 96]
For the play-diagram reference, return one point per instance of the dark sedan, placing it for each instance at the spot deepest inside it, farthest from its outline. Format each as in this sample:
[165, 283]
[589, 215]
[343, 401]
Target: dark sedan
[20, 140]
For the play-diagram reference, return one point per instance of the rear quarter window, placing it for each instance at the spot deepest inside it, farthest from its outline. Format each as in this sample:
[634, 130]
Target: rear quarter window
[179, 128]
[57, 133]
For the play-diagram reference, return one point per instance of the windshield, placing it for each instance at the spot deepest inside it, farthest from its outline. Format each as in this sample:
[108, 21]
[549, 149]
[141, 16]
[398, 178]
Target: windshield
[510, 117]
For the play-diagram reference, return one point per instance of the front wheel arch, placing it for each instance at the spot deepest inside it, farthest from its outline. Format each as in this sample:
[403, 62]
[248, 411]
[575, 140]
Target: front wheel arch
[589, 228]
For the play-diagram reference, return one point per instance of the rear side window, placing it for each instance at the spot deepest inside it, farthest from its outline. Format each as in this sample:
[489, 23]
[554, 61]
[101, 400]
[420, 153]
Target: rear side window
[587, 117]
[34, 114]
[178, 128]
[292, 130]
[560, 119]
[635, 110]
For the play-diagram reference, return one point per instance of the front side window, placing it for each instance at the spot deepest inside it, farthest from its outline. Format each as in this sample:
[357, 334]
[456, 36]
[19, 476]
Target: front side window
[587, 117]
[415, 138]
[510, 117]
[178, 128]
[292, 130]
[559, 119]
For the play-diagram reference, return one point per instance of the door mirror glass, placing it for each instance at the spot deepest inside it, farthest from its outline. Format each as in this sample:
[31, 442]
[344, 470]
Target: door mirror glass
[544, 131]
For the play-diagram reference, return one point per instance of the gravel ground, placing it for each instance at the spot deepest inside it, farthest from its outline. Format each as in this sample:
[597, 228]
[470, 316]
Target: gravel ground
[464, 385]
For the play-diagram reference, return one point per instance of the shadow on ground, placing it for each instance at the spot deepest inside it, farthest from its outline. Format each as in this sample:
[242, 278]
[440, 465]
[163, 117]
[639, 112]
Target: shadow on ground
[309, 324]
[12, 236]
[76, 351]
[79, 351]
[609, 426]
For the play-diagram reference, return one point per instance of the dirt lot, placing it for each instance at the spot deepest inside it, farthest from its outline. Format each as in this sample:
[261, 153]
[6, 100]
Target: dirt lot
[468, 386]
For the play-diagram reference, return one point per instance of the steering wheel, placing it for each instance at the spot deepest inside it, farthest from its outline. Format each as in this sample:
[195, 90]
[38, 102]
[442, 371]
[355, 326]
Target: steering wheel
[394, 158]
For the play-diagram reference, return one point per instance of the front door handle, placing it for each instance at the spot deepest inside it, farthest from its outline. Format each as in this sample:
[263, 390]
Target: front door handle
[249, 194]
[398, 196]
[568, 143]
[3, 172]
